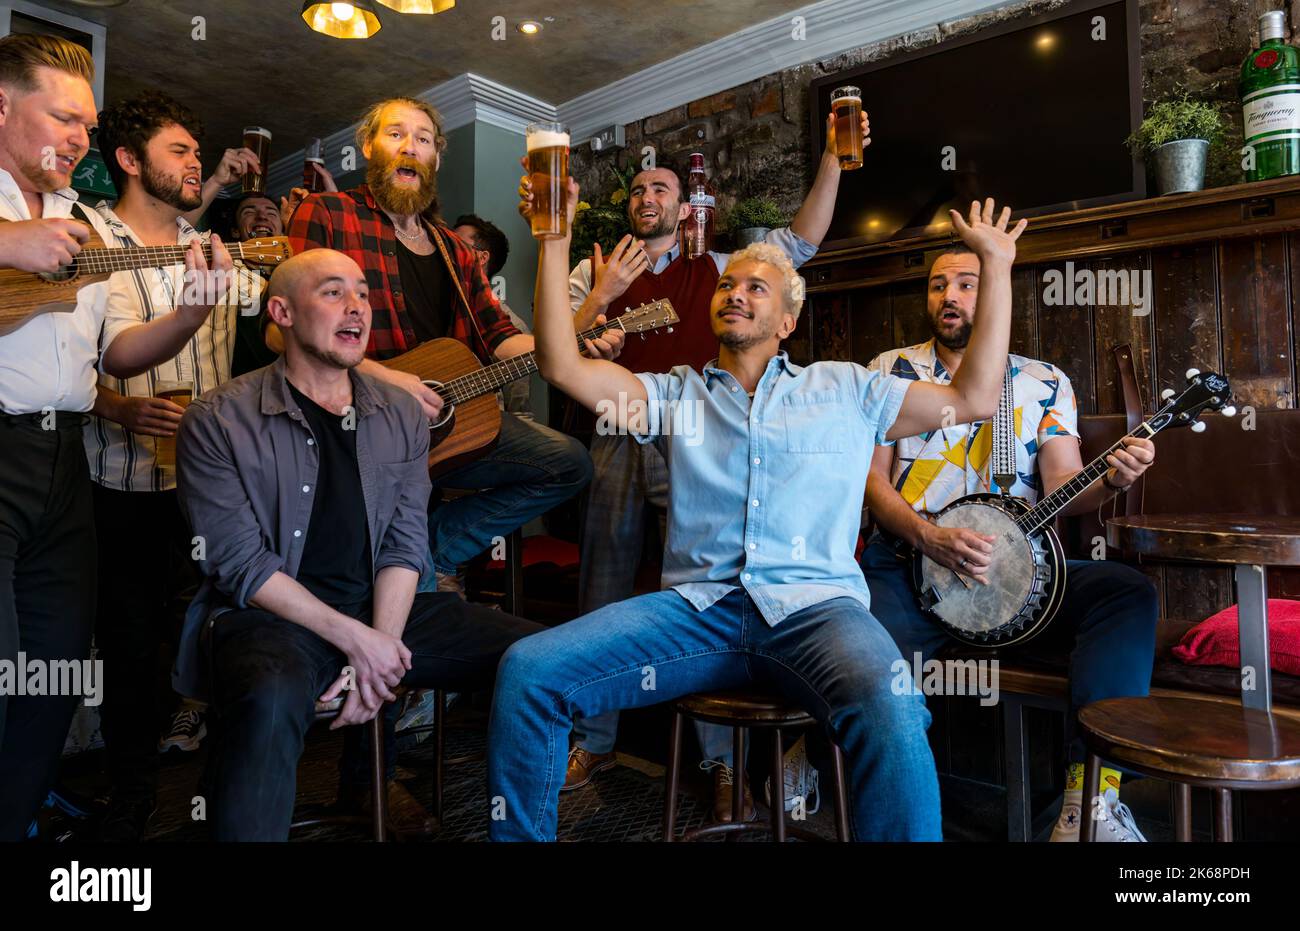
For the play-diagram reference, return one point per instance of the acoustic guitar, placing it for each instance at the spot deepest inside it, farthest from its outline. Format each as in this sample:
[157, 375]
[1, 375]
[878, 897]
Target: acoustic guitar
[24, 295]
[1028, 569]
[471, 420]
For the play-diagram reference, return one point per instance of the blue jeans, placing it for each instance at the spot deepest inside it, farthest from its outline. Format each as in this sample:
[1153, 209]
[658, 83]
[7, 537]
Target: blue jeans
[1109, 612]
[531, 470]
[832, 658]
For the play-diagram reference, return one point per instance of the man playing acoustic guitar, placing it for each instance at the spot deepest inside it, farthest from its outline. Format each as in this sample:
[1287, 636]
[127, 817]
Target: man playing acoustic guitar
[1110, 608]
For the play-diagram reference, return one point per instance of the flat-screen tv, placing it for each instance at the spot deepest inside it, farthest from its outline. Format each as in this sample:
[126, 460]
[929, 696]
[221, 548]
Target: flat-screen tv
[1033, 112]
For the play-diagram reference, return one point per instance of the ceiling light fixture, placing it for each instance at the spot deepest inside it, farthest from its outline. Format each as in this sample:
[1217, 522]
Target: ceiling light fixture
[419, 6]
[529, 27]
[100, 3]
[354, 19]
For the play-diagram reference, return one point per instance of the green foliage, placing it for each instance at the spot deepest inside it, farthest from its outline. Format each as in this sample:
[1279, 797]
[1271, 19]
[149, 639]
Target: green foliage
[604, 223]
[1175, 118]
[755, 211]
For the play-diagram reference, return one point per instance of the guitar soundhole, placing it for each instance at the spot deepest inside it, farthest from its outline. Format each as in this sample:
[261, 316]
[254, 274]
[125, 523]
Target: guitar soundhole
[448, 410]
[65, 274]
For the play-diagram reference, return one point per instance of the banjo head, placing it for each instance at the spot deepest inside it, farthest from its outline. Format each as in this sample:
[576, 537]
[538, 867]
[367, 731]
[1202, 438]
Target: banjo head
[970, 610]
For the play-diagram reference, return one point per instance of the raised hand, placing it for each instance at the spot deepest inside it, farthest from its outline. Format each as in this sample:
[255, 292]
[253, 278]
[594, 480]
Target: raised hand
[831, 151]
[611, 277]
[526, 196]
[988, 239]
[234, 164]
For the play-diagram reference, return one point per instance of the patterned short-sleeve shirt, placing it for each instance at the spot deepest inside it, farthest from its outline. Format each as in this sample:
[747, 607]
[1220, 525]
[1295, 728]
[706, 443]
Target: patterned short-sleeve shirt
[934, 469]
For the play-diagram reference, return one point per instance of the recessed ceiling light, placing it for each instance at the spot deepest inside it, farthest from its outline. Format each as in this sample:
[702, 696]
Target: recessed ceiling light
[529, 27]
[99, 2]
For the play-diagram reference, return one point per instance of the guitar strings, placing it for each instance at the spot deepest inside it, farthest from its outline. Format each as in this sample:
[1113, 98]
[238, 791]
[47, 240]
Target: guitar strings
[1046, 509]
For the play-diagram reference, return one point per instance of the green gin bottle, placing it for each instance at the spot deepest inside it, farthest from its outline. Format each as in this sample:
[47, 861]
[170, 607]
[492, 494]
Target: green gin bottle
[1270, 102]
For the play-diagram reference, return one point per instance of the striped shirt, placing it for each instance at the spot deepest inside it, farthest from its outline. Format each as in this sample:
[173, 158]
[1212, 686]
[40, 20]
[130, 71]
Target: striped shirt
[121, 459]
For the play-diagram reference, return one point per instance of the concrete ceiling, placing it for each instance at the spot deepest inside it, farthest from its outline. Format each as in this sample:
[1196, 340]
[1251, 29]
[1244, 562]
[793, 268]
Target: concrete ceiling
[260, 64]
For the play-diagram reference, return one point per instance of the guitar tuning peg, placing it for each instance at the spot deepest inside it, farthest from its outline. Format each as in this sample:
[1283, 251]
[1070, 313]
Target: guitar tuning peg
[1198, 427]
[1229, 411]
[1192, 373]
[670, 329]
[1167, 394]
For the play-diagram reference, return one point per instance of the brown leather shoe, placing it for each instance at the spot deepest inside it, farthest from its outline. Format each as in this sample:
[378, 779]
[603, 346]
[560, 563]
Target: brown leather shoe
[723, 789]
[583, 766]
[406, 816]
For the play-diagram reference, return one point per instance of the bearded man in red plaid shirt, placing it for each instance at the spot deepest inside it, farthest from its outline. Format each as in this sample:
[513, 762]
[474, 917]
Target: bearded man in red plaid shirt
[425, 283]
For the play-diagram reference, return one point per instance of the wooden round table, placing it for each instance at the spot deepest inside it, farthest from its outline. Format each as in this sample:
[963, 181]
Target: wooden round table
[1250, 543]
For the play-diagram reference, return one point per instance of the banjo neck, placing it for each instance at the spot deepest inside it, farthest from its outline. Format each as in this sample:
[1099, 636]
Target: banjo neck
[1046, 510]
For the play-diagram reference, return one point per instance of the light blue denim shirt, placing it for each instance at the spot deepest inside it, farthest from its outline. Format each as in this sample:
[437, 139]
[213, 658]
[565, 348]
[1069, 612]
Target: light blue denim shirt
[767, 494]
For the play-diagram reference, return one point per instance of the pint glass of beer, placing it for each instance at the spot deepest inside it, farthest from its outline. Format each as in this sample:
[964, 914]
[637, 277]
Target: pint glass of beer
[846, 105]
[259, 140]
[311, 178]
[179, 393]
[548, 168]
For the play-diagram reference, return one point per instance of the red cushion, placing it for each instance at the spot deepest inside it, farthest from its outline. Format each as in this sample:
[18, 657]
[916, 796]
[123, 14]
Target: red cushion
[542, 548]
[1213, 642]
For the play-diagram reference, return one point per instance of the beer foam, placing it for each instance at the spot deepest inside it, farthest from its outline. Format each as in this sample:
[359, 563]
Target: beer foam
[547, 139]
[257, 131]
[857, 100]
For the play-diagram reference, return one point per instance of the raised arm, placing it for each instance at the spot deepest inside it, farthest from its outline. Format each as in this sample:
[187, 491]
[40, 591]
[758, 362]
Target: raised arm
[975, 389]
[589, 381]
[814, 216]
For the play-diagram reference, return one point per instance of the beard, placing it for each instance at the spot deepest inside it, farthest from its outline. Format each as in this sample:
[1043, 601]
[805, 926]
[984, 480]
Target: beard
[335, 359]
[666, 225]
[738, 342]
[41, 179]
[402, 200]
[171, 191]
[957, 339]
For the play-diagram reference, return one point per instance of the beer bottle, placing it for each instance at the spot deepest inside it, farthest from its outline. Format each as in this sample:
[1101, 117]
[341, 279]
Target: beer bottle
[699, 225]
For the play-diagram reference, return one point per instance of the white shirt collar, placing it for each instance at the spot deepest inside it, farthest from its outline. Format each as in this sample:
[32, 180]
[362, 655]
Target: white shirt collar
[10, 191]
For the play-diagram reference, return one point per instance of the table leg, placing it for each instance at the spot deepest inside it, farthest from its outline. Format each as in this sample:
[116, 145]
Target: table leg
[1252, 630]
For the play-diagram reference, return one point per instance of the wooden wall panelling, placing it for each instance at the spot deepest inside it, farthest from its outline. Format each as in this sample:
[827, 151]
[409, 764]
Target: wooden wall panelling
[1065, 338]
[1024, 312]
[1293, 259]
[799, 345]
[1186, 314]
[1196, 592]
[1120, 317]
[872, 324]
[1255, 320]
[910, 323]
[830, 327]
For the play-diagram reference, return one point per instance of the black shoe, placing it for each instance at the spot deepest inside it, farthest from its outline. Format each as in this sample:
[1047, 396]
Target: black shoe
[126, 821]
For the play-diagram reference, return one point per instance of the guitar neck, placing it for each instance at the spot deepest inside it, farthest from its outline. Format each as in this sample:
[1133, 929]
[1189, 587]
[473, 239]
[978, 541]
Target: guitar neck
[1046, 510]
[494, 376]
[129, 258]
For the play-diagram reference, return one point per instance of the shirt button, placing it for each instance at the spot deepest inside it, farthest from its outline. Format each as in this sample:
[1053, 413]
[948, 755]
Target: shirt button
[746, 576]
[757, 460]
[754, 502]
[734, 388]
[305, 489]
[297, 533]
[310, 441]
[753, 546]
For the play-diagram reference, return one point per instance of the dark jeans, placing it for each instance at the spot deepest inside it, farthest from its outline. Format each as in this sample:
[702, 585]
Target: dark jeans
[532, 469]
[47, 597]
[144, 562]
[268, 673]
[1109, 613]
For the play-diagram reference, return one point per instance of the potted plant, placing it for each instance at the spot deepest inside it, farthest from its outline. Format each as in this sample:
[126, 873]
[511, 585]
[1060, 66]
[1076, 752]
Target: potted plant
[1177, 134]
[752, 218]
[603, 223]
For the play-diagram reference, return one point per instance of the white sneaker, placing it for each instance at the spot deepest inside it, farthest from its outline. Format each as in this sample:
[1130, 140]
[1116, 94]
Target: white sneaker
[1115, 822]
[800, 780]
[186, 732]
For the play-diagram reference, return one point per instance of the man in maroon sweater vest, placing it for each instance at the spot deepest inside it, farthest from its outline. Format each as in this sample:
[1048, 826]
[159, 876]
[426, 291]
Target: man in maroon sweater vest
[648, 266]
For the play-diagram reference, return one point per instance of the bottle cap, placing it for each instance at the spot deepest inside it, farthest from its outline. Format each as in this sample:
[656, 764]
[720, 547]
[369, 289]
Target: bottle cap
[1272, 25]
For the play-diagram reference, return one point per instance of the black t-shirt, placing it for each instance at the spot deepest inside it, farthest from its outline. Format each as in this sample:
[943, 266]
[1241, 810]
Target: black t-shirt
[427, 290]
[335, 564]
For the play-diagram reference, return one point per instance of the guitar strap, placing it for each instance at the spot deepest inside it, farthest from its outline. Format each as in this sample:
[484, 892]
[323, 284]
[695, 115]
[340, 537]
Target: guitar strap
[455, 279]
[1003, 464]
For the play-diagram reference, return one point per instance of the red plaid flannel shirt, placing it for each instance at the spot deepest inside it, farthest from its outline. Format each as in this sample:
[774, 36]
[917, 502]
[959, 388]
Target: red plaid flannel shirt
[352, 223]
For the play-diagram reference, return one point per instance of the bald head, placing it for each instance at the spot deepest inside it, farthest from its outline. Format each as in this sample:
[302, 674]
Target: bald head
[320, 301]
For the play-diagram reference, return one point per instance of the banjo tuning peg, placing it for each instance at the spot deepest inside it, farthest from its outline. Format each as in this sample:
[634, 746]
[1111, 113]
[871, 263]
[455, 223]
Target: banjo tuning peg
[1192, 373]
[1167, 394]
[1198, 427]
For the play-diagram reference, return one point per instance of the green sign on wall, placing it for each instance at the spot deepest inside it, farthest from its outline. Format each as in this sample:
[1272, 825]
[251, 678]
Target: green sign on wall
[91, 176]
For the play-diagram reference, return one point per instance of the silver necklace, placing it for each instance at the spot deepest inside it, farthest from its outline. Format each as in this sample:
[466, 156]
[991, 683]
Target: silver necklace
[423, 234]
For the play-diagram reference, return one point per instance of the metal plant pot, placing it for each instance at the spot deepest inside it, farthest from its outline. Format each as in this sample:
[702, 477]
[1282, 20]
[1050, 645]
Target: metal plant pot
[750, 235]
[1180, 165]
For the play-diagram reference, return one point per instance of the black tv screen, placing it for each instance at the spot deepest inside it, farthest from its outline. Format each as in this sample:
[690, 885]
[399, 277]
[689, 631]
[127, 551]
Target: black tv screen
[1033, 113]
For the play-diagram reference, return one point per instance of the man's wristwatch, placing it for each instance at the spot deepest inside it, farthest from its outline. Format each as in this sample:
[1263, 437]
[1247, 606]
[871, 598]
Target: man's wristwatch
[1105, 478]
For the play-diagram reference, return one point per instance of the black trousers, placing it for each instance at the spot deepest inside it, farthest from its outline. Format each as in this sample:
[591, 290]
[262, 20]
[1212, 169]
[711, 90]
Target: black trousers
[144, 563]
[268, 673]
[47, 596]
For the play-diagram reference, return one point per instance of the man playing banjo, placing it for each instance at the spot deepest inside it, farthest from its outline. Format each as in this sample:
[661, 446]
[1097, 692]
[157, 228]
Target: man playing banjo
[1109, 608]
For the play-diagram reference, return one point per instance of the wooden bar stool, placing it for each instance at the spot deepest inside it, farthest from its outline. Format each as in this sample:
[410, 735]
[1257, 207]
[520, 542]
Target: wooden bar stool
[378, 818]
[741, 710]
[1215, 745]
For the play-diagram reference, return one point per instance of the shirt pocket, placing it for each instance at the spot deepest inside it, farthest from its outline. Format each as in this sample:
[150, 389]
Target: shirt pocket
[815, 422]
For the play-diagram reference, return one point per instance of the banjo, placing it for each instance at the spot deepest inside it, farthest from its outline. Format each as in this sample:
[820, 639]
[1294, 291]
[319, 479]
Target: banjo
[1026, 575]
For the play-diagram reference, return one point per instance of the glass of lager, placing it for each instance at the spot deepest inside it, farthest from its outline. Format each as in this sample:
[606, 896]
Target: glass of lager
[179, 393]
[259, 140]
[846, 106]
[548, 169]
